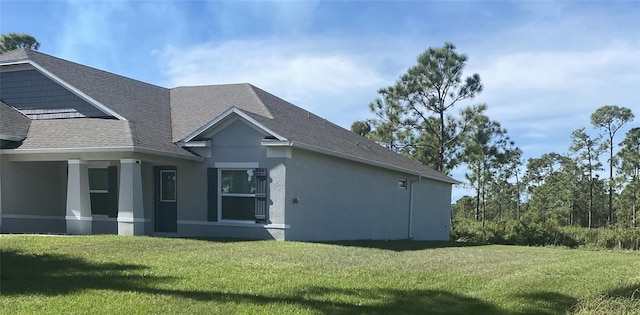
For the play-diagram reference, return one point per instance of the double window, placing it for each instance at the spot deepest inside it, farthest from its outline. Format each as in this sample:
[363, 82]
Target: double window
[237, 194]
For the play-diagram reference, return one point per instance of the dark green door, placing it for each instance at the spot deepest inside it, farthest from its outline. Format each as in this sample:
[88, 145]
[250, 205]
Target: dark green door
[166, 198]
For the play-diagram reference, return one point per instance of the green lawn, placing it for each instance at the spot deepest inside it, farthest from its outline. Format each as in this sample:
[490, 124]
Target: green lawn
[141, 275]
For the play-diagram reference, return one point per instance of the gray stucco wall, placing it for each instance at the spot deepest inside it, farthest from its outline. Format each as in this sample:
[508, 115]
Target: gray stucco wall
[339, 199]
[237, 142]
[431, 210]
[33, 196]
[335, 199]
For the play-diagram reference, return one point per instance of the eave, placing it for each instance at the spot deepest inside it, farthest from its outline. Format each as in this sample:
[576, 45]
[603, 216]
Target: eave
[304, 146]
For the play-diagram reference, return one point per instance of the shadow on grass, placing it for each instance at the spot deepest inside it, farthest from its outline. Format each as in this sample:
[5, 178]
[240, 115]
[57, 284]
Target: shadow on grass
[354, 301]
[55, 275]
[545, 302]
[625, 292]
[48, 274]
[59, 275]
[402, 245]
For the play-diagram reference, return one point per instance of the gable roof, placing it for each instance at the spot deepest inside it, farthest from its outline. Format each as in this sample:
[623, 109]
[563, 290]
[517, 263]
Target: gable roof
[144, 106]
[204, 105]
[154, 118]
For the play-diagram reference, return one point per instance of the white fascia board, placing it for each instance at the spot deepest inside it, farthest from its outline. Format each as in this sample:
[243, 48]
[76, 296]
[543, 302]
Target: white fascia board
[223, 116]
[100, 150]
[275, 143]
[197, 144]
[69, 87]
[366, 161]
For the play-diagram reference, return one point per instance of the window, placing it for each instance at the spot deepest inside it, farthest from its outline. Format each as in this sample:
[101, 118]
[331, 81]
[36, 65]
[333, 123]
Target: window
[168, 186]
[237, 194]
[103, 188]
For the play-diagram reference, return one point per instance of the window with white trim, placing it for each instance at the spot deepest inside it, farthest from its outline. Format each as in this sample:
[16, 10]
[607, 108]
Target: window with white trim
[237, 194]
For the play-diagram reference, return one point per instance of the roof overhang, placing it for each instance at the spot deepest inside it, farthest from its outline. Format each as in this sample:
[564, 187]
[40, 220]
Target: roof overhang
[222, 118]
[304, 146]
[99, 150]
[66, 85]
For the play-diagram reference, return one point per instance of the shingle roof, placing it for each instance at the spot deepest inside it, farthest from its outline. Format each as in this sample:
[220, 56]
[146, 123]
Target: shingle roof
[157, 118]
[63, 134]
[13, 124]
[144, 105]
[193, 107]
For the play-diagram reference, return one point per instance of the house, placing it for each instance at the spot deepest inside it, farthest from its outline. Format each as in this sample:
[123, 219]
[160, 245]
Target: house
[84, 151]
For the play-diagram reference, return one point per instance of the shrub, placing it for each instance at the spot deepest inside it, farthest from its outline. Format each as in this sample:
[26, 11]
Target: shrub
[532, 233]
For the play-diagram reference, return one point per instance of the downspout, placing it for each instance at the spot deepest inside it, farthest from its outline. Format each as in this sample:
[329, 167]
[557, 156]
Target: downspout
[411, 182]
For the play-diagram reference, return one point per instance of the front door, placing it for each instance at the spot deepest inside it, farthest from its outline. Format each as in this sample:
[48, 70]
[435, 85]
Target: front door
[166, 199]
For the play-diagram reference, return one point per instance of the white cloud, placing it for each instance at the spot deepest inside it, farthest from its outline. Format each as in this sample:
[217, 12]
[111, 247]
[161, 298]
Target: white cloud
[560, 70]
[325, 80]
[88, 31]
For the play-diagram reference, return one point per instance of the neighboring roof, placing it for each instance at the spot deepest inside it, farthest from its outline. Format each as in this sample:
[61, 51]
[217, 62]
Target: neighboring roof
[14, 126]
[144, 106]
[197, 106]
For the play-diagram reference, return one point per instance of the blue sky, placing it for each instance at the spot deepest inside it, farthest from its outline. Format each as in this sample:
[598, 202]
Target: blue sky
[545, 65]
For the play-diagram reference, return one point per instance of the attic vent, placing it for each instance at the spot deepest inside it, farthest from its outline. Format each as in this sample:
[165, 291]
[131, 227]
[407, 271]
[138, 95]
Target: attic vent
[402, 183]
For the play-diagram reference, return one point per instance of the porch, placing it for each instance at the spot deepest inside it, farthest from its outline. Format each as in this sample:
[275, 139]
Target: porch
[76, 196]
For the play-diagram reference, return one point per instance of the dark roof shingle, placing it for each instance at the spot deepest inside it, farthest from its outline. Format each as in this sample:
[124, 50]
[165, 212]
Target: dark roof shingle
[13, 124]
[157, 118]
[144, 106]
[193, 107]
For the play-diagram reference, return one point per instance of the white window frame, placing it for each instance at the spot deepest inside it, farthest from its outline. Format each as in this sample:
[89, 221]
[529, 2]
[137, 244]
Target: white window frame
[223, 194]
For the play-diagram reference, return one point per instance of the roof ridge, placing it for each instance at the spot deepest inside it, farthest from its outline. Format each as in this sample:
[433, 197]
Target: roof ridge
[208, 85]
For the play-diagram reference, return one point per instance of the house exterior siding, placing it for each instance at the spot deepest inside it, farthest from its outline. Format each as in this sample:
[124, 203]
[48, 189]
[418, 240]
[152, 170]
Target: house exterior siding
[33, 196]
[40, 97]
[431, 210]
[339, 199]
[235, 144]
[309, 179]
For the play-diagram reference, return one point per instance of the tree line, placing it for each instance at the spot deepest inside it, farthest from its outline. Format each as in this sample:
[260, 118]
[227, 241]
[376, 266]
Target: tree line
[595, 183]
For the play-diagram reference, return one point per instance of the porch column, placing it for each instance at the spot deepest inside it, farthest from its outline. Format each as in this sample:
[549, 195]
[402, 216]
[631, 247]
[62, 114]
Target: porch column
[130, 204]
[78, 216]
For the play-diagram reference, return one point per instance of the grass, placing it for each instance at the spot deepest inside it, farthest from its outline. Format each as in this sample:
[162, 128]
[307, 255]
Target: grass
[143, 275]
